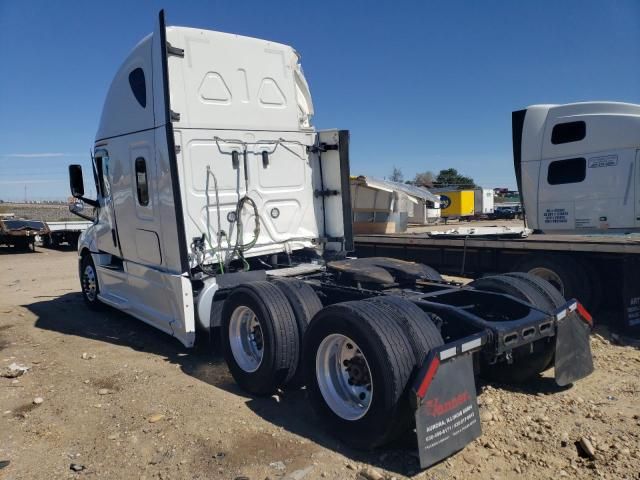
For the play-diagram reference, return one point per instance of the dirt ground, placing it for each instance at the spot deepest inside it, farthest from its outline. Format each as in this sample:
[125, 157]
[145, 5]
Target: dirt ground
[121, 400]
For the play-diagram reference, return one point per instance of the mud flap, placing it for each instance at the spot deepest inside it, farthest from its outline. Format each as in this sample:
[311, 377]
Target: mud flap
[447, 416]
[573, 359]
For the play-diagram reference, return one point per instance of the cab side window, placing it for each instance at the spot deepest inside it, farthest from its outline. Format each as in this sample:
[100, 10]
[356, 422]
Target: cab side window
[568, 132]
[138, 86]
[571, 170]
[142, 186]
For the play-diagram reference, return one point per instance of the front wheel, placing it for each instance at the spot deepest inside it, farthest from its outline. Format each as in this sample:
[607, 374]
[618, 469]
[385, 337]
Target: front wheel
[89, 283]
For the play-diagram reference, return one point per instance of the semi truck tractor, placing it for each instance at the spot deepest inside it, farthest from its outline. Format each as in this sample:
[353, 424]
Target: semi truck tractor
[221, 210]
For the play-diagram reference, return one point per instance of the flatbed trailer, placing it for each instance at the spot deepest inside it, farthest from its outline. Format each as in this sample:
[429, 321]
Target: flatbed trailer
[64, 232]
[602, 270]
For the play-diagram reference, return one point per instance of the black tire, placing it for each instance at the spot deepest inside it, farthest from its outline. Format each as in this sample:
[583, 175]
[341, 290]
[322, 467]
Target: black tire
[388, 354]
[515, 287]
[89, 286]
[526, 364]
[305, 304]
[552, 293]
[279, 341]
[419, 326]
[573, 277]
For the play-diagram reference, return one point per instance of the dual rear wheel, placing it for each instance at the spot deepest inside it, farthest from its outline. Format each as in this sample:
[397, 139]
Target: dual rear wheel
[355, 358]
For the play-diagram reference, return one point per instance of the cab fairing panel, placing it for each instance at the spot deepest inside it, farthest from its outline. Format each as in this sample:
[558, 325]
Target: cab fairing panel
[237, 83]
[610, 125]
[121, 113]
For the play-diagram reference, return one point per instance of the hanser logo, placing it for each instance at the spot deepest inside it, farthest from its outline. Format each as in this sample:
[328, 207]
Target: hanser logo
[435, 408]
[445, 202]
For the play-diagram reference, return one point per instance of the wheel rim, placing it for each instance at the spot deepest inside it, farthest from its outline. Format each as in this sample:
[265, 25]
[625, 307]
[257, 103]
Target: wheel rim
[344, 377]
[89, 284]
[550, 276]
[246, 339]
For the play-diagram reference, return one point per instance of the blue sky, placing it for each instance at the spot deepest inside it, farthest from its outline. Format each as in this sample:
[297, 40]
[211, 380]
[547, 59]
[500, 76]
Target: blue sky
[420, 85]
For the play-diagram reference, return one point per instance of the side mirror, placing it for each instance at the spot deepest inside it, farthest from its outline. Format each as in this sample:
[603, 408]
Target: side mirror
[75, 181]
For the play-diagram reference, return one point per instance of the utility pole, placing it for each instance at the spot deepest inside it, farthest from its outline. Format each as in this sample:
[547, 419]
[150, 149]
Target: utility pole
[25, 193]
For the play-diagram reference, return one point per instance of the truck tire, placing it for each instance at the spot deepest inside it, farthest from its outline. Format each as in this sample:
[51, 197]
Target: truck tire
[553, 295]
[548, 290]
[89, 285]
[260, 340]
[419, 326]
[358, 361]
[526, 364]
[305, 304]
[569, 276]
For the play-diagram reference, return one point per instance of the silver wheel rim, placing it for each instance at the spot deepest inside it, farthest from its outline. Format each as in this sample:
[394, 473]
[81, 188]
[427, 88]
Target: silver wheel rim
[246, 339]
[344, 377]
[550, 276]
[89, 284]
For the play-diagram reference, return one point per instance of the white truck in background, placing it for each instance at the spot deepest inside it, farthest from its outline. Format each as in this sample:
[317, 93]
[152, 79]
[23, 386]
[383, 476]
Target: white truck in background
[578, 167]
[222, 210]
[483, 201]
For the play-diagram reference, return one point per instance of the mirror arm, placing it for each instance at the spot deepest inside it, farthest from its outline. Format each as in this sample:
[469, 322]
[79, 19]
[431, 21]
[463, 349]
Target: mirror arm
[81, 215]
[88, 201]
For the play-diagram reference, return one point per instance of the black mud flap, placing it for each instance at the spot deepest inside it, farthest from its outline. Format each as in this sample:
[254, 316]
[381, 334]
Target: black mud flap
[573, 359]
[447, 416]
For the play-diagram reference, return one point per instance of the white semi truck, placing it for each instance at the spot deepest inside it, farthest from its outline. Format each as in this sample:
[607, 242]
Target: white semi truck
[222, 210]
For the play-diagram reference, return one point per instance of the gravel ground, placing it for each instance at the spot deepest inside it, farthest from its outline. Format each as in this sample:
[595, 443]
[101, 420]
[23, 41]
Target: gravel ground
[107, 396]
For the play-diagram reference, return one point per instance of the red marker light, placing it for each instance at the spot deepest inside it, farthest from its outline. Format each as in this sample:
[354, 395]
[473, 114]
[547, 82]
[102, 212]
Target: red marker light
[584, 314]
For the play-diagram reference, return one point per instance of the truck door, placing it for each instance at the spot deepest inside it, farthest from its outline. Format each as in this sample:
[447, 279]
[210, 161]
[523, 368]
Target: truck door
[107, 230]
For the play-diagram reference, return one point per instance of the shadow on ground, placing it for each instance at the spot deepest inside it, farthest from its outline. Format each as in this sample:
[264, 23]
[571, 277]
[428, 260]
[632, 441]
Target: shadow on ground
[11, 250]
[67, 314]
[60, 248]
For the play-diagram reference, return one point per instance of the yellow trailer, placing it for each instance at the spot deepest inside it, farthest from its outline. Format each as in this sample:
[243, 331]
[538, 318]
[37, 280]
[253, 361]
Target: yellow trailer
[457, 203]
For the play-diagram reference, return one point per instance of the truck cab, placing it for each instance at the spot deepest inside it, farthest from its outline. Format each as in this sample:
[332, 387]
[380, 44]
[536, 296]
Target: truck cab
[578, 166]
[205, 160]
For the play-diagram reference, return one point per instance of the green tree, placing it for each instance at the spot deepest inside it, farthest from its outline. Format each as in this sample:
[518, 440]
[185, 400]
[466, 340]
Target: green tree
[451, 178]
